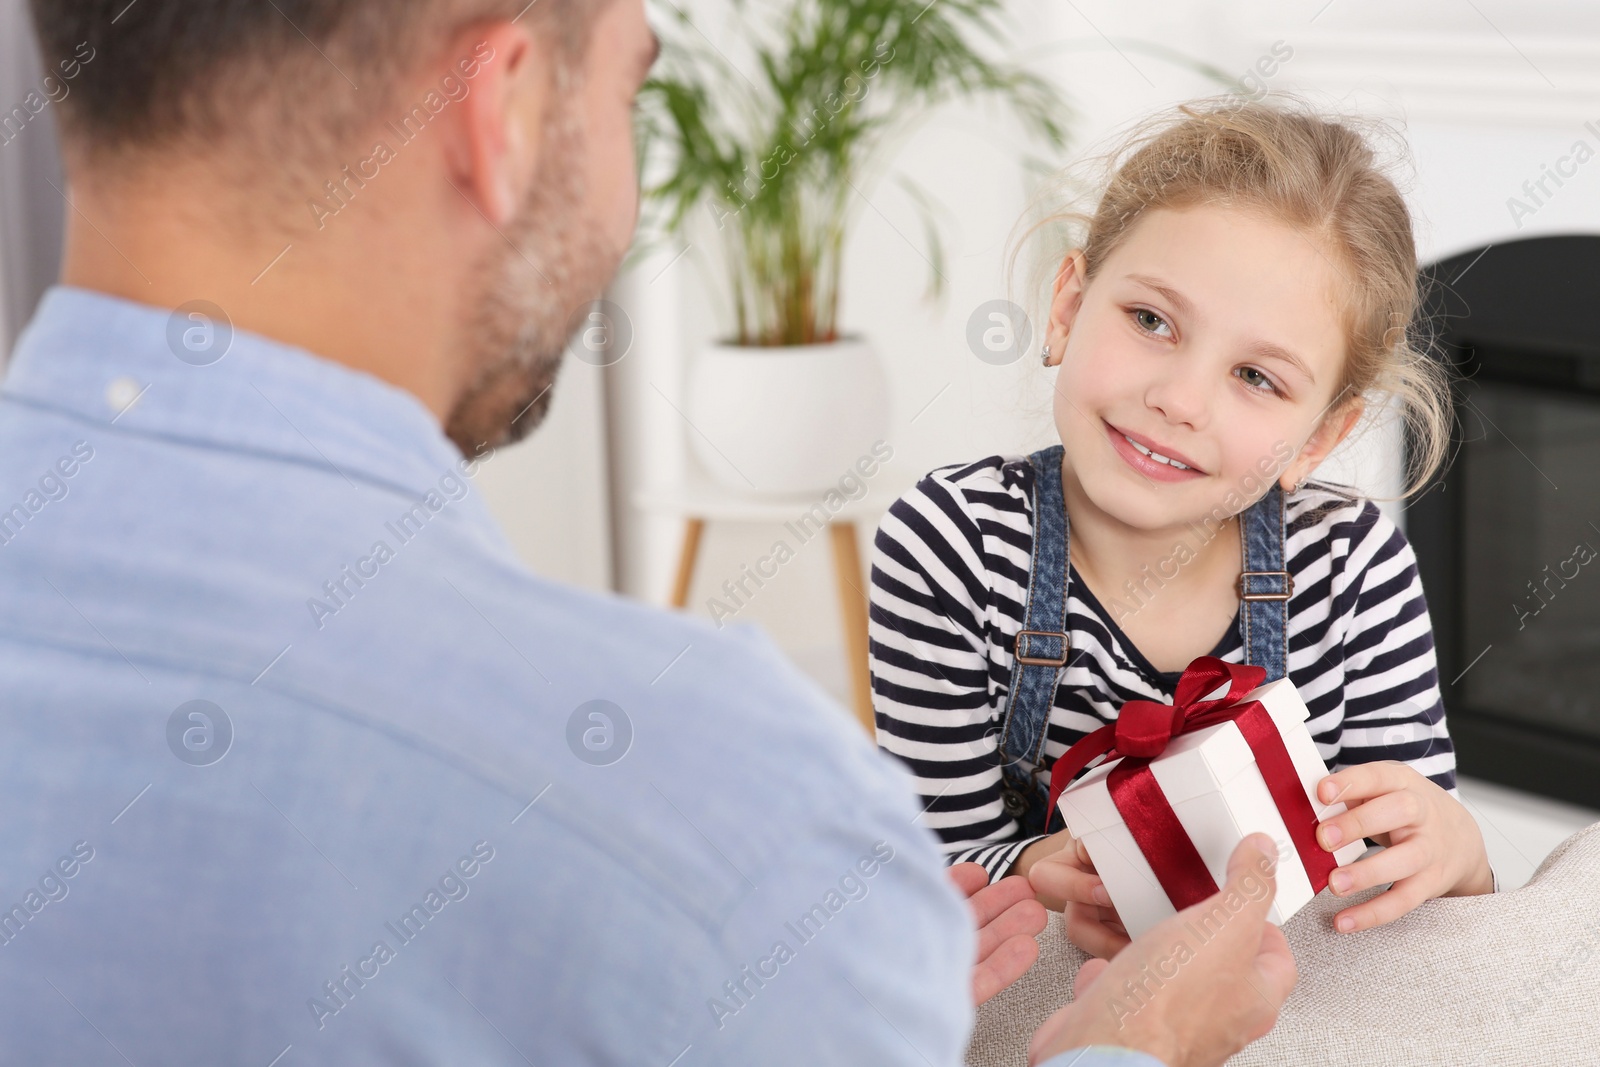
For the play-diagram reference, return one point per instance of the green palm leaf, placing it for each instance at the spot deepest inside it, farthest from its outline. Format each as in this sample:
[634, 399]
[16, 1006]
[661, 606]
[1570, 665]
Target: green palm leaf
[777, 155]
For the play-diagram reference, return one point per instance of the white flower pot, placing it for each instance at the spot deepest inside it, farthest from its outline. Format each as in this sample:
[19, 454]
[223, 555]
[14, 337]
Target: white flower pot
[786, 419]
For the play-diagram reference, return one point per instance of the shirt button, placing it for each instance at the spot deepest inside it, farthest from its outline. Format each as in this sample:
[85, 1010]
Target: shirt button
[121, 394]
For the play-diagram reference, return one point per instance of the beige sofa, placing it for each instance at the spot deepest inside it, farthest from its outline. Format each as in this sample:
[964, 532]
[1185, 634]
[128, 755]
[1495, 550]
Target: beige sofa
[1507, 979]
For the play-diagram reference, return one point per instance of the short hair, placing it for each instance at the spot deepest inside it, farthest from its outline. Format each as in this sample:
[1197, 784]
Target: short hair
[297, 76]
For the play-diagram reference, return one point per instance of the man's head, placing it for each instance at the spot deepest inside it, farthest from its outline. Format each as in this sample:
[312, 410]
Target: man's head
[448, 180]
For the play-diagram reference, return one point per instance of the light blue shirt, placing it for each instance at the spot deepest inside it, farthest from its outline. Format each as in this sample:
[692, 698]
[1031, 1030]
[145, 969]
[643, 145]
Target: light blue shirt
[301, 765]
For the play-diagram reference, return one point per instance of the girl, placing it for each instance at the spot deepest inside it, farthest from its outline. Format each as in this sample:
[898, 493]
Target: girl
[1237, 297]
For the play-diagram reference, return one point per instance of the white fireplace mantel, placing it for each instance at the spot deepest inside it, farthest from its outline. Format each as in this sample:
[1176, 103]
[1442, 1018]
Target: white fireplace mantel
[1479, 79]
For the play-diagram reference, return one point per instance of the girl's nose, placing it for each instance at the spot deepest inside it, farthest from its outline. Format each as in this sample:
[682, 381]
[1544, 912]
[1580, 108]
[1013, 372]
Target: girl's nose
[1182, 392]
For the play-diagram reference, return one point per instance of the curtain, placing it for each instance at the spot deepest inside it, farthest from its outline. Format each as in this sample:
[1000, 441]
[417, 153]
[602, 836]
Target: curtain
[32, 207]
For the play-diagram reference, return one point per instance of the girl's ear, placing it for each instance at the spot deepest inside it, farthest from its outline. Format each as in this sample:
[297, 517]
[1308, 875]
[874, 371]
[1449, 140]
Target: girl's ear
[1334, 428]
[1066, 294]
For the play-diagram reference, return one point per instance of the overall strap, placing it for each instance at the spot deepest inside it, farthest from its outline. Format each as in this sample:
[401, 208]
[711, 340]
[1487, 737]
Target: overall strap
[1265, 586]
[1041, 647]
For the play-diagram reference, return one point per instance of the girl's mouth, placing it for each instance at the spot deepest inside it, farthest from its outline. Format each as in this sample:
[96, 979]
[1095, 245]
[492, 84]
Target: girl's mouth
[1148, 462]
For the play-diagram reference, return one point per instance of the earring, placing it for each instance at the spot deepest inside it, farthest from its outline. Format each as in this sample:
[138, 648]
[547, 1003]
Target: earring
[1044, 357]
[1301, 484]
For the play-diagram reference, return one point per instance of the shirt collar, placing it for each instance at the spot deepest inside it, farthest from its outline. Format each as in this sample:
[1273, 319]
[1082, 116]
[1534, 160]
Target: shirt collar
[88, 353]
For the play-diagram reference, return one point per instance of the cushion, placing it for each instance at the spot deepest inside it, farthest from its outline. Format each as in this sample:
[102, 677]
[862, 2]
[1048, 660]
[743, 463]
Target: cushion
[1503, 978]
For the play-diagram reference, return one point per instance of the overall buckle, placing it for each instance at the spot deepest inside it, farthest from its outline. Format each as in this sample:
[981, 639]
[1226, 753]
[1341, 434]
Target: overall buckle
[1040, 661]
[1288, 585]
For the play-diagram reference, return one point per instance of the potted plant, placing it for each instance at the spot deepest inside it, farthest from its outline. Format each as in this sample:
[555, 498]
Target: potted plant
[776, 160]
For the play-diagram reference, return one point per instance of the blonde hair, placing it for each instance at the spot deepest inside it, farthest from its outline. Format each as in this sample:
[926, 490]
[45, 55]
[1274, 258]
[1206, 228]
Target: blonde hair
[1278, 156]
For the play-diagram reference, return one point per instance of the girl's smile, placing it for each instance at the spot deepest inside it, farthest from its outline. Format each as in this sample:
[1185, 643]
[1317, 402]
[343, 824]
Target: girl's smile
[1152, 459]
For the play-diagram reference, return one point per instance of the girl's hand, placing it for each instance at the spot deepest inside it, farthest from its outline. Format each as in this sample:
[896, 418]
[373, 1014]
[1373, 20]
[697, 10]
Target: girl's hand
[1433, 847]
[1064, 880]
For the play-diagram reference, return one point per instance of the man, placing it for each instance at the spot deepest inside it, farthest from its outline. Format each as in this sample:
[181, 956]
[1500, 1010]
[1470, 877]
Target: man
[303, 766]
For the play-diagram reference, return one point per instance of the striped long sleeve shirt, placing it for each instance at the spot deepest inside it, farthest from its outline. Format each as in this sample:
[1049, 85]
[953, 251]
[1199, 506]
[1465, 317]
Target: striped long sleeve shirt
[949, 582]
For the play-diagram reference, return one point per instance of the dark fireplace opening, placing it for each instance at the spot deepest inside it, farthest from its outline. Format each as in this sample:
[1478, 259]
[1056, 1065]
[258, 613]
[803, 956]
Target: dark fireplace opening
[1508, 537]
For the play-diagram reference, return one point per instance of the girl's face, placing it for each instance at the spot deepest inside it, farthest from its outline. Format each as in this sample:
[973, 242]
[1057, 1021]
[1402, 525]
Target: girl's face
[1212, 337]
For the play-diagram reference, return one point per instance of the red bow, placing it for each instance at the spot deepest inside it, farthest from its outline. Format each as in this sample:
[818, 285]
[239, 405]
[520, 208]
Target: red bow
[1142, 732]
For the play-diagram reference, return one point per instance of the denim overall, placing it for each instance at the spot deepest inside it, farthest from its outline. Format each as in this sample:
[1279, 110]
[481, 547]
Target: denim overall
[1042, 646]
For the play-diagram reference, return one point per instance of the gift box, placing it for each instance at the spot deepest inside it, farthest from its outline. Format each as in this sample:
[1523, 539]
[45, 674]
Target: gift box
[1184, 783]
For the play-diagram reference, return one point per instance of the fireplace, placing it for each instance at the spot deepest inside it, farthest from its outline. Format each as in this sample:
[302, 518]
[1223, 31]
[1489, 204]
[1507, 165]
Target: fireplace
[1508, 538]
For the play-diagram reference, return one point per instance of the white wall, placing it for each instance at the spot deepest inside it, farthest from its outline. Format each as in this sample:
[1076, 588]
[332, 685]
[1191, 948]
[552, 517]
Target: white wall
[550, 491]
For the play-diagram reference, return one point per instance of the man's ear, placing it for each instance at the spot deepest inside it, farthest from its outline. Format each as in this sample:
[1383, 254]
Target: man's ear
[1334, 428]
[493, 146]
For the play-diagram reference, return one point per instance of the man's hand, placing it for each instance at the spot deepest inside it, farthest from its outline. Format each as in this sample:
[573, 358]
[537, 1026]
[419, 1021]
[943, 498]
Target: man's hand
[1432, 844]
[1008, 918]
[1064, 880]
[1194, 990]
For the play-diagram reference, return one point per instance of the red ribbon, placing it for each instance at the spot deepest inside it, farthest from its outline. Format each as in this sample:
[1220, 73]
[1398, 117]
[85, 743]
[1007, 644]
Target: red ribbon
[1141, 733]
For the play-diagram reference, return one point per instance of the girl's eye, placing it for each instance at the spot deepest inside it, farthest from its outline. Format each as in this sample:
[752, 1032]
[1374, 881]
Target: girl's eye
[1144, 315]
[1264, 384]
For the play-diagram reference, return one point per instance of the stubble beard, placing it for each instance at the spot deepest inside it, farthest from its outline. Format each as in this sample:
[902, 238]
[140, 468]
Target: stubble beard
[552, 261]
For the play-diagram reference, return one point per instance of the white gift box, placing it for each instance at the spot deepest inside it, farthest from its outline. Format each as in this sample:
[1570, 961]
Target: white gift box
[1211, 781]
